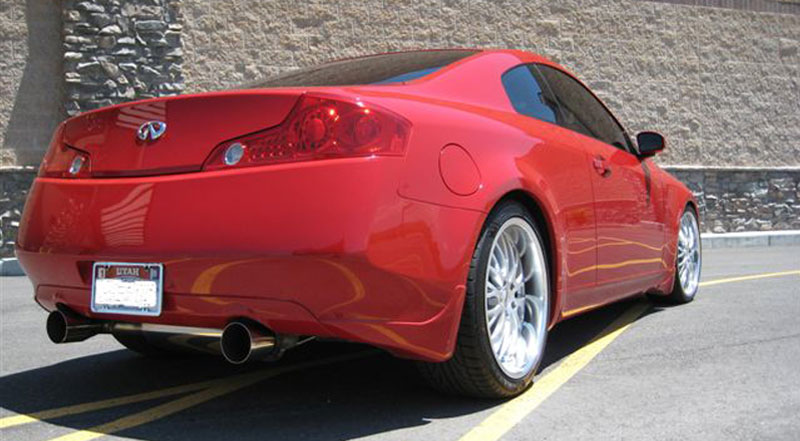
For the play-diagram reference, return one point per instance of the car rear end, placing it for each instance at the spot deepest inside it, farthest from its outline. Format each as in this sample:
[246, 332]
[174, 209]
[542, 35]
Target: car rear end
[276, 207]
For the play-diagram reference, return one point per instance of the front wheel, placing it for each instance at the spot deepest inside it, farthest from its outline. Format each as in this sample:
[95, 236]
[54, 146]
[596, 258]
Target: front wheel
[501, 339]
[689, 259]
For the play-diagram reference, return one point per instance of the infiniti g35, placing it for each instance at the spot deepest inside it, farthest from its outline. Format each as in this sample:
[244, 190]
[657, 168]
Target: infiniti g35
[448, 206]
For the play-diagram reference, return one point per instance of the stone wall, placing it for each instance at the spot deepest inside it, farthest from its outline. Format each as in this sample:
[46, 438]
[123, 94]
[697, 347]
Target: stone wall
[723, 84]
[744, 199]
[14, 185]
[116, 51]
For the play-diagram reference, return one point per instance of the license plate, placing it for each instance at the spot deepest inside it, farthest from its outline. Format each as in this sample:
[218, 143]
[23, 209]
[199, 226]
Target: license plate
[127, 288]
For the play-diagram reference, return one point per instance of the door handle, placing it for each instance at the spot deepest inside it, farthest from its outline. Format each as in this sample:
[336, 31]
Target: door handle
[601, 166]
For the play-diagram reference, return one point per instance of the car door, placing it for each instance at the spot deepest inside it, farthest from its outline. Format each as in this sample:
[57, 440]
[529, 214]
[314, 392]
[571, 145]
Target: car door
[630, 234]
[562, 167]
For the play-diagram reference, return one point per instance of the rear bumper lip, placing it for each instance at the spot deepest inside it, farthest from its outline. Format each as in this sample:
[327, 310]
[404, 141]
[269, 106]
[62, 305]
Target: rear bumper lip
[404, 339]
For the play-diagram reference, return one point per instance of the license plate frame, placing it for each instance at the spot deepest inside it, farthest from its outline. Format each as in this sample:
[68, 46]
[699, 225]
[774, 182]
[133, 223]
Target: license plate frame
[133, 275]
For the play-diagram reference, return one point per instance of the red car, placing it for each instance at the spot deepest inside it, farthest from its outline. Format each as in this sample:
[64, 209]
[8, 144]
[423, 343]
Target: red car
[447, 206]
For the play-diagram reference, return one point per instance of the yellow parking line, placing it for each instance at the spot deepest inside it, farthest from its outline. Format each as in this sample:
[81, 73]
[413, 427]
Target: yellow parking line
[211, 388]
[512, 412]
[183, 403]
[491, 428]
[164, 410]
[750, 277]
[17, 420]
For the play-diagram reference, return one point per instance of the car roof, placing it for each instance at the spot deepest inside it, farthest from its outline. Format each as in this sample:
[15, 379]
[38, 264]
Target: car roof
[522, 55]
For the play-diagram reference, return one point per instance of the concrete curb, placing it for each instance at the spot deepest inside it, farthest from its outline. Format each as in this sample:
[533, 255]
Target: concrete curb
[10, 266]
[751, 239]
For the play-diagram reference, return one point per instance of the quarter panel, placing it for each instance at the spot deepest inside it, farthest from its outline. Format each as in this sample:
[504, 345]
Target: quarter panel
[512, 152]
[675, 197]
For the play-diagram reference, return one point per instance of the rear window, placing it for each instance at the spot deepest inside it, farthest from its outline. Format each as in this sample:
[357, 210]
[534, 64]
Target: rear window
[528, 93]
[376, 69]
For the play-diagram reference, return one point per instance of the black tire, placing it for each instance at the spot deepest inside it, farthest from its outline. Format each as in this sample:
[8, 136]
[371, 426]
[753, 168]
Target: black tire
[473, 370]
[678, 295]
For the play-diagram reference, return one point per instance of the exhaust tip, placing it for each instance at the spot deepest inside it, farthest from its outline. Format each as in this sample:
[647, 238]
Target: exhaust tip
[235, 343]
[241, 342]
[57, 327]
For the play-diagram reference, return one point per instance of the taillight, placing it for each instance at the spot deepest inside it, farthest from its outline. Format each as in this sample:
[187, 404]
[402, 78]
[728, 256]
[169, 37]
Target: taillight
[319, 127]
[62, 161]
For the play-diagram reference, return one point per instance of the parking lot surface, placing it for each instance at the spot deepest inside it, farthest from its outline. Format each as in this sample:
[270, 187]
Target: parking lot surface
[722, 367]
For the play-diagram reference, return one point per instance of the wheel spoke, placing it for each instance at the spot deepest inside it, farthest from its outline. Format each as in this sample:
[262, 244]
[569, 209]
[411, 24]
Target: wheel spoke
[507, 337]
[538, 310]
[494, 262]
[494, 315]
[514, 264]
[528, 332]
[496, 334]
[684, 272]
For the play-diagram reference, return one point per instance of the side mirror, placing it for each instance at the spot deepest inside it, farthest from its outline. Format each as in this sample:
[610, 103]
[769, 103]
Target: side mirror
[650, 143]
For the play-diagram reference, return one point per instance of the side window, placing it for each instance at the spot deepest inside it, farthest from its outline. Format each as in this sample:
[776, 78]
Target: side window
[581, 111]
[528, 94]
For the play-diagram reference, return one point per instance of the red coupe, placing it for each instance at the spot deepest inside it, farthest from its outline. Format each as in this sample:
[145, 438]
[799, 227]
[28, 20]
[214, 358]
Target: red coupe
[448, 206]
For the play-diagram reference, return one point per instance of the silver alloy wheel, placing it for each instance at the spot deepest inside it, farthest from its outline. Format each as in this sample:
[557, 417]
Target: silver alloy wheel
[516, 300]
[689, 259]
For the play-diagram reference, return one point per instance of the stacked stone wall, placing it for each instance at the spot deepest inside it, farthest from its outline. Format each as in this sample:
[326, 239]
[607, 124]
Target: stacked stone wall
[116, 51]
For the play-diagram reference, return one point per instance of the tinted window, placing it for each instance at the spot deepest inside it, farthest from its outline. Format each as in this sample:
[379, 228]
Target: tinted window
[375, 69]
[581, 111]
[528, 94]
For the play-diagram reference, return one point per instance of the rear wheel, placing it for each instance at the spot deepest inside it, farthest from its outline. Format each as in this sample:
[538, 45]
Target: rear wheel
[689, 259]
[503, 328]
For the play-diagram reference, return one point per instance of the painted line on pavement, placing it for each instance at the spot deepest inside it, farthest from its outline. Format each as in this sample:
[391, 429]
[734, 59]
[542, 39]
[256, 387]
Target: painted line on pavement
[750, 277]
[204, 391]
[17, 420]
[512, 412]
[164, 410]
[493, 427]
[183, 403]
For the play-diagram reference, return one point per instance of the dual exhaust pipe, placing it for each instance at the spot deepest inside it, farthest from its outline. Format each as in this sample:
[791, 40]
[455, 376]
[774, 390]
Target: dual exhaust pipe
[240, 341]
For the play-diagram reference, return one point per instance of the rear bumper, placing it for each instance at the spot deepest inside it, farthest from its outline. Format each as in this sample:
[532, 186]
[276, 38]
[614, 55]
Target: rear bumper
[325, 248]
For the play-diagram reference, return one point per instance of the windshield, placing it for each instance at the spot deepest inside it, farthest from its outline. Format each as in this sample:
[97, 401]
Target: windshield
[376, 69]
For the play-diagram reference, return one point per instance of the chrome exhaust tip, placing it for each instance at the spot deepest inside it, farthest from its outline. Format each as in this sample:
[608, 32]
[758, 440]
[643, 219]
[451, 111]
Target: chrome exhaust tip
[63, 327]
[242, 341]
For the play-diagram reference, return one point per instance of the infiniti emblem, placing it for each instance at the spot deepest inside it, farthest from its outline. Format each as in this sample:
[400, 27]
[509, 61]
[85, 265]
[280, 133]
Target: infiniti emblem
[151, 130]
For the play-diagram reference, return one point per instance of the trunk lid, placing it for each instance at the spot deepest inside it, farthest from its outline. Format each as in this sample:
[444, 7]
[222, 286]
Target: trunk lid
[195, 124]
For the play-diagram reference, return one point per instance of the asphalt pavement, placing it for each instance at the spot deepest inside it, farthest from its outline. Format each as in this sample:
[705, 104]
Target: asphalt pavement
[726, 366]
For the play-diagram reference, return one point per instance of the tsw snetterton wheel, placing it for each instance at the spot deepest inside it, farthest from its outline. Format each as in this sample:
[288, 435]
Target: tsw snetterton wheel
[689, 259]
[503, 329]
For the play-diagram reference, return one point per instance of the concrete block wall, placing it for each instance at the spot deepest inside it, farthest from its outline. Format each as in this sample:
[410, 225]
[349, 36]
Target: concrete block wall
[723, 84]
[720, 79]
